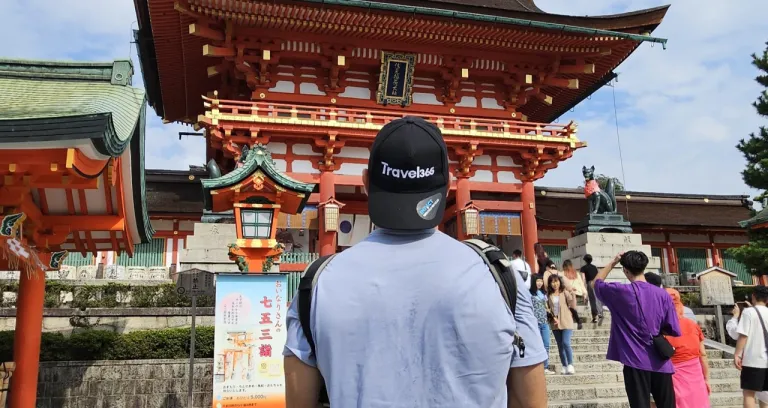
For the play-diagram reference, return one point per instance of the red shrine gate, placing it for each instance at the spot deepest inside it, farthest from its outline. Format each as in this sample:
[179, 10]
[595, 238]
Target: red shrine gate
[315, 81]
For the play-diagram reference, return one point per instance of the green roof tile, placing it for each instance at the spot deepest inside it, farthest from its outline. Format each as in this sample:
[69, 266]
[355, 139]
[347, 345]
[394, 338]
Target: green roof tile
[39, 89]
[759, 218]
[259, 158]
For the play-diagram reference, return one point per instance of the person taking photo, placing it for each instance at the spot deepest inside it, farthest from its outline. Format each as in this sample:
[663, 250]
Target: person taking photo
[640, 314]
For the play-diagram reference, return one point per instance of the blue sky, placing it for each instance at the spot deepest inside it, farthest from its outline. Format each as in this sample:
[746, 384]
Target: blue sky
[681, 111]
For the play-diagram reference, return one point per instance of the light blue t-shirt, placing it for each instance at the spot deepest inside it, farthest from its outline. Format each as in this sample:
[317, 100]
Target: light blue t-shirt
[414, 320]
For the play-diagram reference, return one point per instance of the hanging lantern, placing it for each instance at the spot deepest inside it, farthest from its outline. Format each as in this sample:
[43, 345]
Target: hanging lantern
[470, 219]
[331, 214]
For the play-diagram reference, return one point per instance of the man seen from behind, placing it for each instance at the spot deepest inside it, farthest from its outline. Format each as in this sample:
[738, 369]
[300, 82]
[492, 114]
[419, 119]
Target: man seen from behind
[411, 317]
[521, 266]
[590, 273]
[639, 311]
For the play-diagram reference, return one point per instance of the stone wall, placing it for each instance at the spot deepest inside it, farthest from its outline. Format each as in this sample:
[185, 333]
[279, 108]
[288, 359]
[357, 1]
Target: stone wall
[120, 320]
[123, 384]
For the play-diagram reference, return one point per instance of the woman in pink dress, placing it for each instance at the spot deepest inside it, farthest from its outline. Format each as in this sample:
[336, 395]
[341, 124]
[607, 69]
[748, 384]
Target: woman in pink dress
[691, 378]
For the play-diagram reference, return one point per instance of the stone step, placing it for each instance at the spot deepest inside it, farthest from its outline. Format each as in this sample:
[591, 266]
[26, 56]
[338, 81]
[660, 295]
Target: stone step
[615, 376]
[616, 390]
[717, 400]
[581, 347]
[554, 380]
[584, 340]
[592, 357]
[603, 366]
[591, 332]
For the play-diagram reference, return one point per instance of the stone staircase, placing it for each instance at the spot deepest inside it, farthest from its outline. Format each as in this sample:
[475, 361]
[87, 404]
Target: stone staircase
[599, 383]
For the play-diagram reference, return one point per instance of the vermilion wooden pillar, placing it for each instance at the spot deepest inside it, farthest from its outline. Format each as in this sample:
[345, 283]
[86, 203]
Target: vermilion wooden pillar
[530, 232]
[463, 197]
[327, 191]
[26, 343]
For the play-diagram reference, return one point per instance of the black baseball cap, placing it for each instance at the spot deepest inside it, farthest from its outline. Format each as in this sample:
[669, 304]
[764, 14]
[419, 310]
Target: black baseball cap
[408, 175]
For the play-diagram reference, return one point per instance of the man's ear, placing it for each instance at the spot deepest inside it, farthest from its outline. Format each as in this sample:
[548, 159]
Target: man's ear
[365, 181]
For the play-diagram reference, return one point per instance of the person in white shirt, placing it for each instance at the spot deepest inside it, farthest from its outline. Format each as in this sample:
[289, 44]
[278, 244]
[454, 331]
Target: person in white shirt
[751, 356]
[732, 329]
[521, 266]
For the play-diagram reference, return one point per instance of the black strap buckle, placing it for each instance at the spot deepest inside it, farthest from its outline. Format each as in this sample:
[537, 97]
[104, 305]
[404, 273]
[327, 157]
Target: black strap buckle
[520, 343]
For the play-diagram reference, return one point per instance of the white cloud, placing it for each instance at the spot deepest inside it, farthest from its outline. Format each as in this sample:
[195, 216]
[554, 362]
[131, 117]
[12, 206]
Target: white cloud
[95, 30]
[681, 111]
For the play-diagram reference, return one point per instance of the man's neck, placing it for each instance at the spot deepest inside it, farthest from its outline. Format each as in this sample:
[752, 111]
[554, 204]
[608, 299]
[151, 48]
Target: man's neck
[759, 303]
[638, 278]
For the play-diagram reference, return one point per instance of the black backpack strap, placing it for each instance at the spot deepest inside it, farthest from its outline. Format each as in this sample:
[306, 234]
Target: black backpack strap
[306, 287]
[500, 268]
[504, 274]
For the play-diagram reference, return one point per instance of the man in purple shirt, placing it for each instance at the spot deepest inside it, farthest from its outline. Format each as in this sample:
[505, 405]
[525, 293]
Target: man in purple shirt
[646, 372]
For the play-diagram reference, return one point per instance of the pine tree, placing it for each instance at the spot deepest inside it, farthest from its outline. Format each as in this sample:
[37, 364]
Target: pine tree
[755, 149]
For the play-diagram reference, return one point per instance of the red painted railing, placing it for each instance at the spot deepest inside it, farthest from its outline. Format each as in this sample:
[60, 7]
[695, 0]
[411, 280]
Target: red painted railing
[345, 117]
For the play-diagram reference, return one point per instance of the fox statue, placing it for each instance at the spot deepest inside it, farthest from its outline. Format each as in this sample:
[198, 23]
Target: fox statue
[600, 202]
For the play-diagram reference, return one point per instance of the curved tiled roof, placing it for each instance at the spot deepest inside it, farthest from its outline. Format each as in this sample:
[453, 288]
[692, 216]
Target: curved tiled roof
[45, 90]
[65, 103]
[258, 158]
[568, 206]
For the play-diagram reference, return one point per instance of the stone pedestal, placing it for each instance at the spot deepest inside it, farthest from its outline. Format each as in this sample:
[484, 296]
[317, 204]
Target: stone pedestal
[206, 248]
[603, 223]
[604, 246]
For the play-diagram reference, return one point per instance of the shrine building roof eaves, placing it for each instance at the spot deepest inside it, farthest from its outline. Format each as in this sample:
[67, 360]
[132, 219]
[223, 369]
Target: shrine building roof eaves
[756, 221]
[567, 206]
[88, 106]
[496, 19]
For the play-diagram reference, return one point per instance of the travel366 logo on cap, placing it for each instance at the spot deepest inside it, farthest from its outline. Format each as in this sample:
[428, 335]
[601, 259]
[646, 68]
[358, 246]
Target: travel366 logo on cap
[406, 174]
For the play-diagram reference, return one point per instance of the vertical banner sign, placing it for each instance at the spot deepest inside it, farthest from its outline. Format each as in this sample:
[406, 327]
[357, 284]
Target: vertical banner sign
[249, 339]
[396, 78]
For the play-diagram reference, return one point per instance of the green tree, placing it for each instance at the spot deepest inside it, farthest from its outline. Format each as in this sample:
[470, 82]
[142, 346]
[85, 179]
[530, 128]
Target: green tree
[755, 149]
[602, 181]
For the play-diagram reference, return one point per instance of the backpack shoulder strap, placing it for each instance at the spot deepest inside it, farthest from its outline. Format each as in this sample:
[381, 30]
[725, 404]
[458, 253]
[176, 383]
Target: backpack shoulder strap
[504, 274]
[306, 287]
[500, 268]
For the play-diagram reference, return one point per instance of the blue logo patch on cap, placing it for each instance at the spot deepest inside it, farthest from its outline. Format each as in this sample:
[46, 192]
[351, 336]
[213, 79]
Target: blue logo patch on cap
[427, 208]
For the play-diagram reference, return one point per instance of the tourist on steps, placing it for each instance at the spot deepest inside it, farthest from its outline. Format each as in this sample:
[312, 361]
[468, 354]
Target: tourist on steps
[541, 310]
[691, 378]
[732, 327]
[410, 317]
[560, 302]
[542, 259]
[520, 265]
[552, 270]
[639, 312]
[750, 355]
[573, 279]
[590, 272]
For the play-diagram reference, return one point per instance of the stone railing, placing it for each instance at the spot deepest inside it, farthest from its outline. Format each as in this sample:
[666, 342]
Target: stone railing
[104, 293]
[108, 272]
